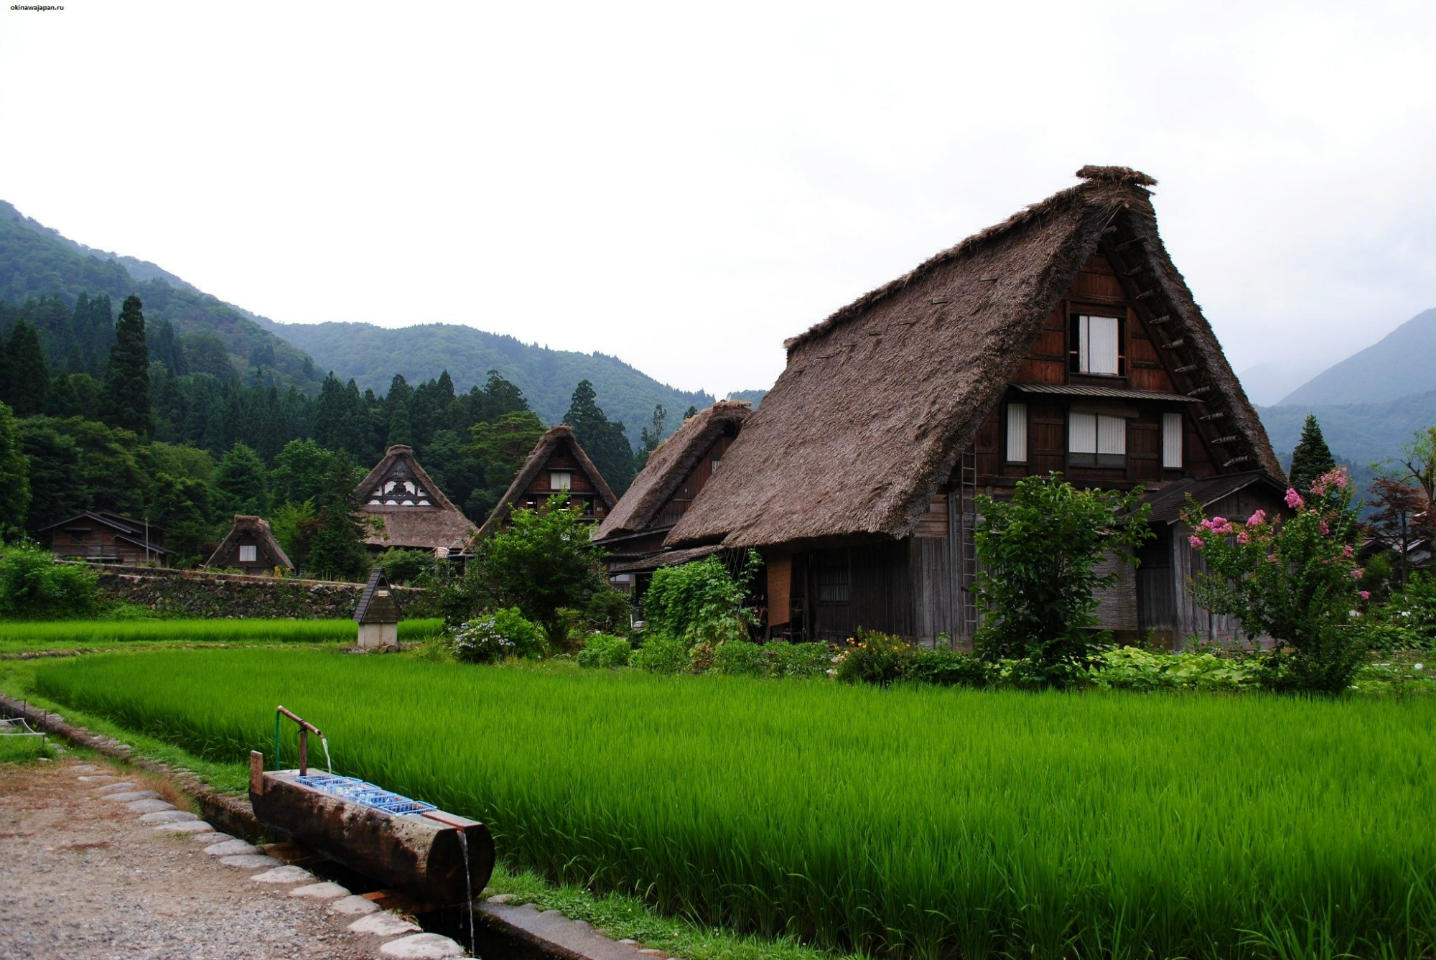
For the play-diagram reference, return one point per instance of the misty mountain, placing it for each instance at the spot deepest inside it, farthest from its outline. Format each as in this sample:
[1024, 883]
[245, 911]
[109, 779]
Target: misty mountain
[1401, 364]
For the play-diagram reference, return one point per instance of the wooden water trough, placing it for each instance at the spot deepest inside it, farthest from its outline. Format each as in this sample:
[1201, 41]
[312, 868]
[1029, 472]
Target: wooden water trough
[438, 857]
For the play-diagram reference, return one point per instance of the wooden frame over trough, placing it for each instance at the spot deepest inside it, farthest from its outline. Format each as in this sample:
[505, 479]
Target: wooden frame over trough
[1063, 339]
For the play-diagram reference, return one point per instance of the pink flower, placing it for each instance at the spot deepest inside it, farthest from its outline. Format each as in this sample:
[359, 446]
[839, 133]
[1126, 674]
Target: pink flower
[1243, 537]
[1346, 552]
[1293, 499]
[1257, 519]
[1271, 558]
[1365, 594]
[1196, 542]
[1358, 573]
[1324, 528]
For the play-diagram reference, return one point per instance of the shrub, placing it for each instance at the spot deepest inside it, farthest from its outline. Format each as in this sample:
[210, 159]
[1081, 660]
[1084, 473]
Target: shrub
[605, 650]
[792, 660]
[1131, 668]
[874, 657]
[499, 635]
[541, 561]
[699, 602]
[33, 586]
[661, 653]
[948, 668]
[1039, 552]
[403, 566]
[1407, 620]
[739, 658]
[1295, 579]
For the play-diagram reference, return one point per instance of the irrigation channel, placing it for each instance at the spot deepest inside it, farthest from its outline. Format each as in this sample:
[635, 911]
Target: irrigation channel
[405, 860]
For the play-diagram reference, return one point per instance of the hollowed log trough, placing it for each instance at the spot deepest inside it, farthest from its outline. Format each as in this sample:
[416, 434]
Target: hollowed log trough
[421, 853]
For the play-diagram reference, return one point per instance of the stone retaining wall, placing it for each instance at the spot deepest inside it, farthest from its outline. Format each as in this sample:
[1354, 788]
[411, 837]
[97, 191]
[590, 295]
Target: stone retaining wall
[219, 596]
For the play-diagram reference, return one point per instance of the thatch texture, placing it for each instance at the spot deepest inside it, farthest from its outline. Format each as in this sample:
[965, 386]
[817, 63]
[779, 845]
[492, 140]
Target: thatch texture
[401, 506]
[668, 465]
[877, 402]
[250, 531]
[559, 437]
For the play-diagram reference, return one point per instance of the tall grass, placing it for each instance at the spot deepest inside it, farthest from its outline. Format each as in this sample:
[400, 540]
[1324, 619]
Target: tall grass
[66, 635]
[923, 823]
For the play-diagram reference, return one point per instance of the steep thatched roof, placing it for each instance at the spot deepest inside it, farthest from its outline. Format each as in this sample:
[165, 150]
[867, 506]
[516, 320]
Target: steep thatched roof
[251, 529]
[403, 507]
[551, 442]
[878, 401]
[669, 465]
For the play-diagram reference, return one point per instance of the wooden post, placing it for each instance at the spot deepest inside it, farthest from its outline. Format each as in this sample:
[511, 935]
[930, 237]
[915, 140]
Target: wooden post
[256, 772]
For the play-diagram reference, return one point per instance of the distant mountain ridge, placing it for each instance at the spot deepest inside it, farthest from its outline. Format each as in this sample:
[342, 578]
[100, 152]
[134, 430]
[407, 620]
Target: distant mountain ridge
[372, 355]
[1400, 364]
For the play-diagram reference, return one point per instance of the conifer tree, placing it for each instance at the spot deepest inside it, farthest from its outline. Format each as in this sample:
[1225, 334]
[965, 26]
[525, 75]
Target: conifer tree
[14, 477]
[603, 440]
[27, 376]
[1311, 458]
[239, 483]
[127, 376]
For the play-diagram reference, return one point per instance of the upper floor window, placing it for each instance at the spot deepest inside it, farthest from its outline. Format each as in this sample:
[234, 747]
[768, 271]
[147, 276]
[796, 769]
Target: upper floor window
[1095, 344]
[248, 553]
[1096, 440]
[1017, 433]
[560, 479]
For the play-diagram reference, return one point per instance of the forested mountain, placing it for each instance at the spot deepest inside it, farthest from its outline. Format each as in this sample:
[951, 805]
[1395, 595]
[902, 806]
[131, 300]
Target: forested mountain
[44, 274]
[371, 355]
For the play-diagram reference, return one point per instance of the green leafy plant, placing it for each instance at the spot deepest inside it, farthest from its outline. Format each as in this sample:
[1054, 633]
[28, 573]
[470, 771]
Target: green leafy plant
[1039, 553]
[797, 660]
[699, 602]
[33, 586]
[740, 658]
[661, 654]
[499, 635]
[948, 668]
[604, 650]
[872, 656]
[1295, 579]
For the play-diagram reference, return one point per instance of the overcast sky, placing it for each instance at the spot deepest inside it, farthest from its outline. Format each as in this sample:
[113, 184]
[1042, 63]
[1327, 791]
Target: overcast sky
[685, 186]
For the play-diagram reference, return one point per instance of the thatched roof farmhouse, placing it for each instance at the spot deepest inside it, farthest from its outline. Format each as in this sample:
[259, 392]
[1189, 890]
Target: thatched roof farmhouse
[556, 465]
[1061, 339]
[401, 506]
[669, 482]
[250, 546]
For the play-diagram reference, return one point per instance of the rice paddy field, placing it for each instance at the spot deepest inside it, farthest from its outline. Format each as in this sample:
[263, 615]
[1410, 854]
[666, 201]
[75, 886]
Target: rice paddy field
[79, 635]
[924, 823]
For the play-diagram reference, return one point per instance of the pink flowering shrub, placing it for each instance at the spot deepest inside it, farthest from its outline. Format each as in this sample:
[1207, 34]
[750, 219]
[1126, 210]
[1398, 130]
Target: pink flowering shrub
[1295, 579]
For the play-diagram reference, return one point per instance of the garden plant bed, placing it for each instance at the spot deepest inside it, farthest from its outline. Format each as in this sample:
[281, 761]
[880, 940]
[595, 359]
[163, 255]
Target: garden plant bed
[924, 822]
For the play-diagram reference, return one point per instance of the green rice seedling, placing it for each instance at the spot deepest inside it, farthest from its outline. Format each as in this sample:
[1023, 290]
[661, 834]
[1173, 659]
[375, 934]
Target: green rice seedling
[914, 822]
[76, 635]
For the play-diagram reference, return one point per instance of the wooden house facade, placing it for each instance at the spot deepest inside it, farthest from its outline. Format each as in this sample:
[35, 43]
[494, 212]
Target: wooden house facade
[1063, 339]
[250, 547]
[401, 506]
[103, 537]
[675, 474]
[557, 465]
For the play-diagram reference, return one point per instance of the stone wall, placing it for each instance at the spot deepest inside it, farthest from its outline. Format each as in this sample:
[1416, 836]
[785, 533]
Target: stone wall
[219, 596]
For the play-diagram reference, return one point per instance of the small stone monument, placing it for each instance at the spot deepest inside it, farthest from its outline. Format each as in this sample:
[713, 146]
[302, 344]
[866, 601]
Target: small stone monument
[377, 615]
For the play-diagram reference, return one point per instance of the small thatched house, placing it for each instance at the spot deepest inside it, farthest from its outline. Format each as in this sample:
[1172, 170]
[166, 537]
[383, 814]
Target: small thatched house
[400, 506]
[557, 465]
[634, 531]
[1062, 339]
[250, 546]
[104, 537]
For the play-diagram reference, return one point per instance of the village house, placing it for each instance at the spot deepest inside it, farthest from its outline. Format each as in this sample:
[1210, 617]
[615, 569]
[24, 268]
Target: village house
[557, 465]
[1063, 339]
[401, 506]
[633, 533]
[250, 547]
[104, 537]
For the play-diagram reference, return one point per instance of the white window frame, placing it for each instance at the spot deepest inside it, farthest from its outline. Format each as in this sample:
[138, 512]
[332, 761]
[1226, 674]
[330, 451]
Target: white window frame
[1096, 440]
[1171, 441]
[248, 553]
[1017, 433]
[1099, 341]
[560, 479]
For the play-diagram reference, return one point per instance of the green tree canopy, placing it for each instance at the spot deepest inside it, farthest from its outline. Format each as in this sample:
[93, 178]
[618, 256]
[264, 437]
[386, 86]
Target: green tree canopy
[543, 560]
[14, 477]
[27, 376]
[239, 484]
[604, 441]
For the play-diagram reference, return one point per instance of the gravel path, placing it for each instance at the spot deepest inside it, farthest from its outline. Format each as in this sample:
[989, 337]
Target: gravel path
[98, 864]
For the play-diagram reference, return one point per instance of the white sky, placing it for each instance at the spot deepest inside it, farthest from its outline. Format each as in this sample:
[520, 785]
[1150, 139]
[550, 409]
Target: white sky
[686, 186]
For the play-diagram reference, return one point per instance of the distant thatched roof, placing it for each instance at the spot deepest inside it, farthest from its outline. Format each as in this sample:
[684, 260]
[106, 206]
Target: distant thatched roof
[557, 437]
[409, 508]
[669, 465]
[878, 401]
[255, 530]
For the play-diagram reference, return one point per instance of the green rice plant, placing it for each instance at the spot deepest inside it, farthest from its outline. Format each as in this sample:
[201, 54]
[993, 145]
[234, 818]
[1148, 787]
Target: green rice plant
[75, 635]
[918, 822]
